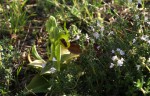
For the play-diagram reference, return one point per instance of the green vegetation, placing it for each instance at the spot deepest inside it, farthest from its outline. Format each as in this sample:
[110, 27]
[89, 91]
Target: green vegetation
[74, 47]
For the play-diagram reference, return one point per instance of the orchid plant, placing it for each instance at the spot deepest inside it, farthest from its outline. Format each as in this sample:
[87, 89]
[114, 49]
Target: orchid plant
[57, 54]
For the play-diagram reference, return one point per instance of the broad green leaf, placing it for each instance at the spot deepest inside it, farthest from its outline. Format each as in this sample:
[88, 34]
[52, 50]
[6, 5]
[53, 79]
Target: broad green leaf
[38, 84]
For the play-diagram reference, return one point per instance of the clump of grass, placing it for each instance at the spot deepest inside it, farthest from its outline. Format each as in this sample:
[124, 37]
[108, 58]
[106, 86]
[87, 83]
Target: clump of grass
[14, 16]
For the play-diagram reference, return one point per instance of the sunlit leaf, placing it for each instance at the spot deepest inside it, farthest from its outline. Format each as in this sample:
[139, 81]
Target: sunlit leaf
[37, 63]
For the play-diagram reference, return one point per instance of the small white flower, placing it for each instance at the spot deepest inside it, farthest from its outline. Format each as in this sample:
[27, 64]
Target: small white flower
[138, 67]
[111, 33]
[96, 35]
[54, 59]
[122, 52]
[114, 58]
[134, 40]
[118, 49]
[52, 70]
[112, 51]
[111, 65]
[77, 37]
[119, 63]
[122, 59]
[145, 37]
[87, 36]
